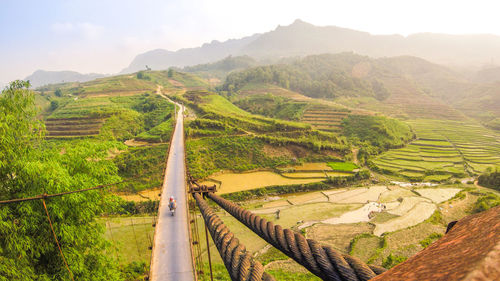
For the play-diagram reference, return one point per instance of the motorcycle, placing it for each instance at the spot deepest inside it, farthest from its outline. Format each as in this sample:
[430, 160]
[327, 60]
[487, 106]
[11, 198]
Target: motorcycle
[172, 206]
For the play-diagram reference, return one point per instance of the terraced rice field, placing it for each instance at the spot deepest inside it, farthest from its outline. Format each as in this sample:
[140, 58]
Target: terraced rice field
[73, 127]
[443, 149]
[324, 118]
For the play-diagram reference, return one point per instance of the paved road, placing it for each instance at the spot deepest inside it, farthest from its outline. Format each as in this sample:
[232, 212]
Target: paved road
[172, 249]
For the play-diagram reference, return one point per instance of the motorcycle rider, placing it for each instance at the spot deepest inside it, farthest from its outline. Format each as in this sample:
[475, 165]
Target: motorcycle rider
[172, 204]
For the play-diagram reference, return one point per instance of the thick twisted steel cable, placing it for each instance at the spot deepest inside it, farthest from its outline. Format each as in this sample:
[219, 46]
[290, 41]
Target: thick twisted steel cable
[239, 263]
[321, 260]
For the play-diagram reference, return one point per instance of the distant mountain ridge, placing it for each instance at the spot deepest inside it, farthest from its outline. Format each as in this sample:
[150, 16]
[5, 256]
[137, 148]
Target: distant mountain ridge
[210, 52]
[302, 39]
[43, 77]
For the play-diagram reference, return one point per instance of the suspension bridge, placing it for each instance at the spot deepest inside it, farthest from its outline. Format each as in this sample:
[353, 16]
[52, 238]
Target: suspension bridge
[321, 260]
[469, 251]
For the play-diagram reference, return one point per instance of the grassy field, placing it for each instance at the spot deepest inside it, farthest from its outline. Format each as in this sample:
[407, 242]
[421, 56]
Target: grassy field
[443, 149]
[225, 137]
[131, 236]
[343, 166]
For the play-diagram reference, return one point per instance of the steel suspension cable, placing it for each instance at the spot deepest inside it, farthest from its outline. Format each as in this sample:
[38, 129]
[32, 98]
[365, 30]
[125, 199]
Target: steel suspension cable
[322, 260]
[239, 263]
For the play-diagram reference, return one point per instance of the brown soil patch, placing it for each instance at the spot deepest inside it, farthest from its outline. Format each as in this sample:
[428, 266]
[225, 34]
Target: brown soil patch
[313, 166]
[133, 142]
[338, 236]
[233, 182]
[176, 83]
[274, 151]
[112, 153]
[145, 195]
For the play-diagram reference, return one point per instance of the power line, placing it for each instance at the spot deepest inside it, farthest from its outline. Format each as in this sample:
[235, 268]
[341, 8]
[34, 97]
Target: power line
[44, 196]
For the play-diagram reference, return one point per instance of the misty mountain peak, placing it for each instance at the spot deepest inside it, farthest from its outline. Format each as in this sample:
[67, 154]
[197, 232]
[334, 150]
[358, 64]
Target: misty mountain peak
[299, 22]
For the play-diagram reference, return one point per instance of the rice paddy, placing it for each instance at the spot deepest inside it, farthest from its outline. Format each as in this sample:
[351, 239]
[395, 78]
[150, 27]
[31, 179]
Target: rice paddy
[233, 182]
[323, 117]
[443, 149]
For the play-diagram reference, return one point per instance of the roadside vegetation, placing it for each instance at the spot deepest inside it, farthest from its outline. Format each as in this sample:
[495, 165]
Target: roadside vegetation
[30, 166]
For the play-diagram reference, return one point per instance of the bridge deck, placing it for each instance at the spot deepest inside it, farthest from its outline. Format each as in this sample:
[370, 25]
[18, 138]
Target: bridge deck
[172, 248]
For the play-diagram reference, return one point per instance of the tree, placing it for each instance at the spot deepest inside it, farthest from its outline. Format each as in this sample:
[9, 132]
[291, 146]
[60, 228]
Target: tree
[170, 73]
[54, 105]
[58, 92]
[29, 167]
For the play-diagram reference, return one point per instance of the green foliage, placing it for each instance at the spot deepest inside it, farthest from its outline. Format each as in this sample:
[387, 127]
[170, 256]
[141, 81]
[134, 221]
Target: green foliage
[160, 133]
[135, 270]
[123, 125]
[142, 75]
[272, 106]
[148, 161]
[201, 127]
[490, 179]
[391, 261]
[155, 109]
[237, 153]
[436, 218]
[378, 131]
[30, 167]
[320, 76]
[430, 239]
[58, 92]
[20, 129]
[486, 202]
[54, 105]
[135, 208]
[343, 166]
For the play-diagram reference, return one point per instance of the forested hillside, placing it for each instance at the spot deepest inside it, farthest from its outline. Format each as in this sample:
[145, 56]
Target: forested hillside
[326, 76]
[404, 87]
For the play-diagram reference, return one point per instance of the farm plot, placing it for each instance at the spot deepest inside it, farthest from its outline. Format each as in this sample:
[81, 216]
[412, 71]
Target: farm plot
[73, 127]
[233, 182]
[416, 215]
[324, 118]
[443, 149]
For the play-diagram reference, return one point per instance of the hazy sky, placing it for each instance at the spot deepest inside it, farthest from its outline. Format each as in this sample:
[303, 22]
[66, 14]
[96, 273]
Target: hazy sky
[104, 35]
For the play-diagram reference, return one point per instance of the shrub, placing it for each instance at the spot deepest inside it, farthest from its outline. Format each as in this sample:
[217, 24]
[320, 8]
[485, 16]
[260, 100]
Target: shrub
[430, 239]
[391, 261]
[486, 202]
